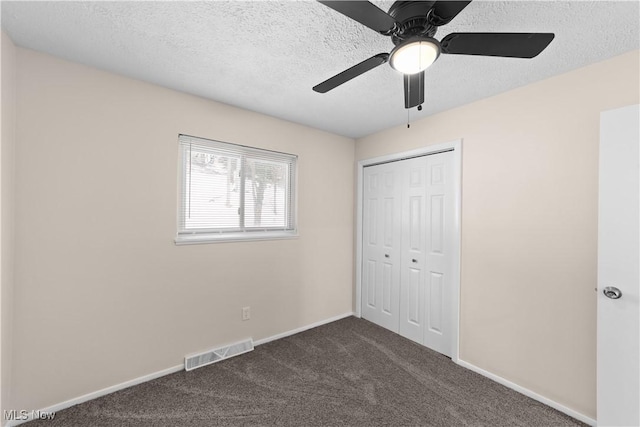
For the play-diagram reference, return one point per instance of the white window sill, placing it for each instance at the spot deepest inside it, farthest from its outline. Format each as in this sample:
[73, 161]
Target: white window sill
[198, 239]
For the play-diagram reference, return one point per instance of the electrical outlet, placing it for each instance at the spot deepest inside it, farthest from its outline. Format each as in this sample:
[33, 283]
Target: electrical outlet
[246, 313]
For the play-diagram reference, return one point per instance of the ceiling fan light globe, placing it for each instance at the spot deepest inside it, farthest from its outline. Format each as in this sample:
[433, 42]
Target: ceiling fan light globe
[415, 55]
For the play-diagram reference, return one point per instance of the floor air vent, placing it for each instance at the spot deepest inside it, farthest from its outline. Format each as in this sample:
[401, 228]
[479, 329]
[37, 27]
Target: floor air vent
[208, 357]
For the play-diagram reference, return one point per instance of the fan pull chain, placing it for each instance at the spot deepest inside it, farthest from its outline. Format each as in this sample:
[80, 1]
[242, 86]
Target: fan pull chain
[409, 116]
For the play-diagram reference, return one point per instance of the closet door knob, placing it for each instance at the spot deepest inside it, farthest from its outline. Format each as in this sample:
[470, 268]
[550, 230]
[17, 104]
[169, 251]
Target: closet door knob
[414, 260]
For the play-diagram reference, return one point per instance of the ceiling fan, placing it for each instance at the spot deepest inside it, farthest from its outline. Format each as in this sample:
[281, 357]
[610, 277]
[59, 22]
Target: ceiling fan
[412, 26]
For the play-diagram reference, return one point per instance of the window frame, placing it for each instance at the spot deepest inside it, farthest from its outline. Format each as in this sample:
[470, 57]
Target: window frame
[242, 233]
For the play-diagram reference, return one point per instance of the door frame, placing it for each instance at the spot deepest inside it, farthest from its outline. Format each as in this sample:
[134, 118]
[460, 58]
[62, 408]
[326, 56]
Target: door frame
[456, 148]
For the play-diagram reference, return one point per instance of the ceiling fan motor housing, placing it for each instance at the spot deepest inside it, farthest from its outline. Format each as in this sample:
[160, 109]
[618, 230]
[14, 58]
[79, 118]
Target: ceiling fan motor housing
[414, 20]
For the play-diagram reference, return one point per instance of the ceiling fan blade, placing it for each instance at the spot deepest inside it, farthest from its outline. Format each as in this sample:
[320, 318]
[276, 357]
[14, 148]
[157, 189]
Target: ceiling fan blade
[352, 72]
[511, 45]
[365, 13]
[443, 11]
[413, 89]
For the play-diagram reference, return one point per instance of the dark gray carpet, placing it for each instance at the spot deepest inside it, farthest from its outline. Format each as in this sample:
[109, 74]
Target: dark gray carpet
[350, 372]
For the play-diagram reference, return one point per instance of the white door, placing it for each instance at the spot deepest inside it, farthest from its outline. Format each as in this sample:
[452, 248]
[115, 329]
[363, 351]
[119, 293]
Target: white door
[438, 333]
[618, 372]
[407, 248]
[381, 245]
[414, 237]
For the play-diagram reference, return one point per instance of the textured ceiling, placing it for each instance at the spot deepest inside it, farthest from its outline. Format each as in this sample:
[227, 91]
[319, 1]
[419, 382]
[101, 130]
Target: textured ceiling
[266, 56]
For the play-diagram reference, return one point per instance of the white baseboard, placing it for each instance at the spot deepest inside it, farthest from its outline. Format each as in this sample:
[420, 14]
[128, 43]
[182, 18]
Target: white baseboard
[529, 393]
[302, 329]
[94, 395]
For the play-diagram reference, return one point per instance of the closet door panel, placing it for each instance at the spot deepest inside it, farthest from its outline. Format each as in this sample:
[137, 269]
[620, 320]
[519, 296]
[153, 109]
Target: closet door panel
[412, 290]
[381, 245]
[439, 191]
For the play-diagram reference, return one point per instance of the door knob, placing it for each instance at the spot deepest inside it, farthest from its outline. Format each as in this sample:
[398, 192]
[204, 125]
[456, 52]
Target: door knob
[386, 255]
[612, 292]
[414, 260]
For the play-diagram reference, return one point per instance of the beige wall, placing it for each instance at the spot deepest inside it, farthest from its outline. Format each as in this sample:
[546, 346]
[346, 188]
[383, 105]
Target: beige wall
[7, 107]
[103, 295]
[529, 224]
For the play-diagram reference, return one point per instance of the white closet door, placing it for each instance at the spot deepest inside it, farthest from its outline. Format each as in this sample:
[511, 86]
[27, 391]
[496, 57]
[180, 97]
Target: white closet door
[407, 248]
[439, 257]
[414, 237]
[381, 245]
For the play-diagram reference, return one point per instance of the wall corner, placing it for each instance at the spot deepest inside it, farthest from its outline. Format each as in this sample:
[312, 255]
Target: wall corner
[7, 246]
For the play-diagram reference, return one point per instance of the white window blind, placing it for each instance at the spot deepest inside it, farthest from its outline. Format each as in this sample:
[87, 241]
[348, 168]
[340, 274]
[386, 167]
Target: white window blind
[233, 192]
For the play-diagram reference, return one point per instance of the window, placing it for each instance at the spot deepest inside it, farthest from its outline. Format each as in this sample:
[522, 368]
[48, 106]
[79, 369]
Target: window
[233, 192]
